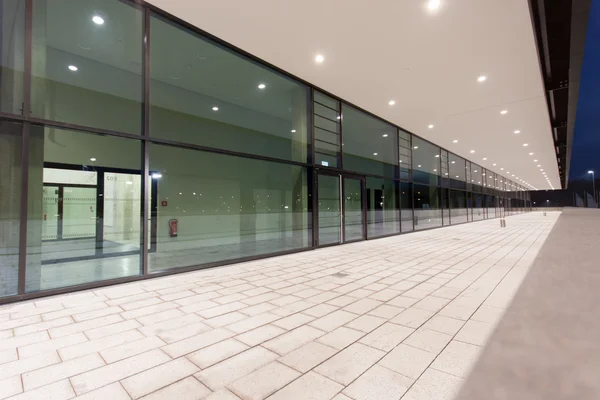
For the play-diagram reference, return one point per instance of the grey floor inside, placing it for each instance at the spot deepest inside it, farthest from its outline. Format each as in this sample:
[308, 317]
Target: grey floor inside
[547, 346]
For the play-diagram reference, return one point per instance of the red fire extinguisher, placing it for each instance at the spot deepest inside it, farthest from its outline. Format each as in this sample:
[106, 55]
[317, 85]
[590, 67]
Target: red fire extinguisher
[173, 227]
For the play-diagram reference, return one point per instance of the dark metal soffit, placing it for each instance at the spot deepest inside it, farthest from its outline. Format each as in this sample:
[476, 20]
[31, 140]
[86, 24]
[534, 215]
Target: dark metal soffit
[560, 29]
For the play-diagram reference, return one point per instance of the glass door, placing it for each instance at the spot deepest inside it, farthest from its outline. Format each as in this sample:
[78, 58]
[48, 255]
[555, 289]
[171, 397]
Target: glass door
[341, 208]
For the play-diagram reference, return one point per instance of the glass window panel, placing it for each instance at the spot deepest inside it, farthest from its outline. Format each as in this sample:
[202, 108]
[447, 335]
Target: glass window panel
[224, 207]
[330, 213]
[326, 100]
[12, 53]
[476, 177]
[326, 112]
[369, 145]
[406, 210]
[87, 73]
[10, 200]
[458, 207]
[427, 207]
[84, 218]
[425, 162]
[383, 216]
[478, 202]
[327, 125]
[204, 94]
[353, 210]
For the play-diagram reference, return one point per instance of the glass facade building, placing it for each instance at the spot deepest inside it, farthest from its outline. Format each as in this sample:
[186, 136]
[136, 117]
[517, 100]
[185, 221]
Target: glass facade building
[132, 145]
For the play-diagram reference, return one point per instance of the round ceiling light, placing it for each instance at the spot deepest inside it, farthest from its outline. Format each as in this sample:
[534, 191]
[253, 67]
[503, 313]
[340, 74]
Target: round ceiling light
[98, 20]
[482, 78]
[73, 68]
[319, 58]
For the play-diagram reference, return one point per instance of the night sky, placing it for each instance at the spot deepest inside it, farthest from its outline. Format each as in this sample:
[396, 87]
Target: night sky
[586, 142]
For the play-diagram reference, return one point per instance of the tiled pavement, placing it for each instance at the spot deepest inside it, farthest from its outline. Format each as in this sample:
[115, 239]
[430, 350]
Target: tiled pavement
[401, 317]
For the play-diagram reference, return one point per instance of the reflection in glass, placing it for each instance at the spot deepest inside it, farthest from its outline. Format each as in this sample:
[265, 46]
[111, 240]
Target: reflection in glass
[212, 207]
[87, 73]
[477, 206]
[369, 144]
[85, 210]
[330, 212]
[10, 197]
[12, 45]
[353, 213]
[383, 217]
[406, 207]
[204, 94]
[426, 162]
[458, 207]
[427, 207]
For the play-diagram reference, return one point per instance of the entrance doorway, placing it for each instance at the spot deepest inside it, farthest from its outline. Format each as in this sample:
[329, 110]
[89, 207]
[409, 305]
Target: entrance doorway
[341, 208]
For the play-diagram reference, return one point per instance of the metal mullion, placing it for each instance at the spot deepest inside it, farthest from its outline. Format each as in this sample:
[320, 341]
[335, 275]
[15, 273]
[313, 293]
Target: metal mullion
[146, 193]
[326, 106]
[335, 121]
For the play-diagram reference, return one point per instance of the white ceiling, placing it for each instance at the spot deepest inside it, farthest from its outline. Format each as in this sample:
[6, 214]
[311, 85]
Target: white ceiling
[428, 62]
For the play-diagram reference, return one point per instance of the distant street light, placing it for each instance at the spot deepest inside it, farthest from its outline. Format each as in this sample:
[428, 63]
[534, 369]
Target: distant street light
[593, 184]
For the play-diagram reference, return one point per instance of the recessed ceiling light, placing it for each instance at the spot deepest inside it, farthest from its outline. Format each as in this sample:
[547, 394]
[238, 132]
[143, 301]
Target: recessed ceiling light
[293, 131]
[385, 135]
[416, 147]
[430, 126]
[433, 5]
[530, 154]
[482, 78]
[392, 102]
[419, 165]
[73, 68]
[525, 144]
[262, 86]
[484, 158]
[504, 112]
[539, 165]
[501, 169]
[435, 170]
[453, 162]
[215, 108]
[437, 156]
[457, 176]
[475, 170]
[455, 141]
[472, 151]
[92, 159]
[493, 165]
[319, 58]
[541, 169]
[374, 154]
[98, 20]
[535, 160]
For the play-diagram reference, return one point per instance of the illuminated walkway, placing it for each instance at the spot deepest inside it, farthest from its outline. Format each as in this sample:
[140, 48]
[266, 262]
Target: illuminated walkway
[401, 317]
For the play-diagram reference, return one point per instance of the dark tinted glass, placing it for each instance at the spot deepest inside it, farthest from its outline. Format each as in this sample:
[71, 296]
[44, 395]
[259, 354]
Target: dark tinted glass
[426, 162]
[383, 216]
[406, 202]
[369, 144]
[204, 94]
[12, 55]
[457, 171]
[211, 207]
[87, 63]
[458, 206]
[428, 213]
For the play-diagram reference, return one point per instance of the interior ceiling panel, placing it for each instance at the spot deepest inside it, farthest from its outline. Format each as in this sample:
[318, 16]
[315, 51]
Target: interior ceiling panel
[427, 61]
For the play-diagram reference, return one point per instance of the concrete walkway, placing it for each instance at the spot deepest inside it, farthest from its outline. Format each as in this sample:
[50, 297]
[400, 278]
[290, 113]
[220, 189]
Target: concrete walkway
[547, 346]
[401, 317]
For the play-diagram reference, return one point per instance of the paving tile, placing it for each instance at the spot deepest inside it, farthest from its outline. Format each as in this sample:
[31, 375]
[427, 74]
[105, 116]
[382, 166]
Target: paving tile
[8, 356]
[220, 310]
[96, 345]
[310, 386]
[131, 348]
[186, 301]
[196, 342]
[96, 313]
[73, 310]
[320, 310]
[387, 336]
[431, 303]
[130, 299]
[51, 345]
[412, 317]
[112, 329]
[407, 360]
[258, 309]
[261, 334]
[217, 352]
[428, 340]
[170, 324]
[379, 383]
[264, 381]
[341, 396]
[84, 326]
[386, 311]
[434, 385]
[176, 295]
[117, 371]
[234, 368]
[24, 365]
[113, 391]
[385, 294]
[443, 324]
[252, 322]
[350, 363]
[222, 394]
[402, 301]
[457, 358]
[293, 321]
[341, 337]
[293, 339]
[160, 316]
[61, 390]
[488, 314]
[10, 386]
[333, 321]
[18, 341]
[362, 306]
[342, 301]
[41, 326]
[186, 389]
[140, 312]
[475, 332]
[158, 377]
[66, 369]
[225, 319]
[365, 323]
[308, 356]
[183, 332]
